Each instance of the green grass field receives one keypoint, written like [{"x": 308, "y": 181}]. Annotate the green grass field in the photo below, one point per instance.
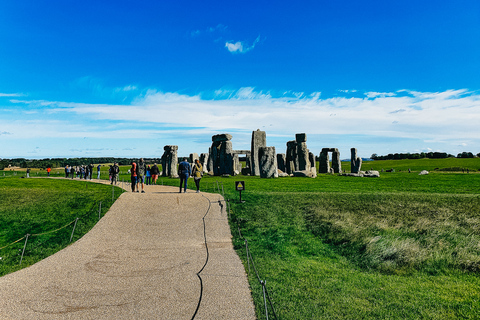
[
  {"x": 46, "y": 209},
  {"x": 402, "y": 246}
]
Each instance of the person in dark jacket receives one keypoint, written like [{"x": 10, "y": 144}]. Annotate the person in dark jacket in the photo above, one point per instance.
[
  {"x": 184, "y": 171},
  {"x": 154, "y": 171}
]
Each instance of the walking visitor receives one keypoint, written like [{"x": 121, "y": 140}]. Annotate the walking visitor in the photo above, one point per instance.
[
  {"x": 197, "y": 173},
  {"x": 133, "y": 176},
  {"x": 184, "y": 171},
  {"x": 141, "y": 174},
  {"x": 154, "y": 172}
]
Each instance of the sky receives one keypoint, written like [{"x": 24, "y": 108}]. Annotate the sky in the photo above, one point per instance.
[{"x": 125, "y": 78}]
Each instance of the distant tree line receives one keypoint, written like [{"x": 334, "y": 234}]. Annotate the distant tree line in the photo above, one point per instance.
[
  {"x": 62, "y": 162},
  {"x": 422, "y": 155}
]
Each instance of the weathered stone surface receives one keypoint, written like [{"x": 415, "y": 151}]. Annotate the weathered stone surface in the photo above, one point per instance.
[
  {"x": 267, "y": 162},
  {"x": 371, "y": 174},
  {"x": 355, "y": 162},
  {"x": 324, "y": 164},
  {"x": 193, "y": 157},
  {"x": 305, "y": 173},
  {"x": 204, "y": 161},
  {"x": 313, "y": 163},
  {"x": 281, "y": 159},
  {"x": 259, "y": 140},
  {"x": 291, "y": 161},
  {"x": 301, "y": 137},
  {"x": 336, "y": 163},
  {"x": 282, "y": 174},
  {"x": 221, "y": 137},
  {"x": 303, "y": 157},
  {"x": 170, "y": 161}
]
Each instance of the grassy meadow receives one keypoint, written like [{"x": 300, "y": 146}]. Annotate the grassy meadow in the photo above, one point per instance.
[
  {"x": 402, "y": 246},
  {"x": 46, "y": 209}
]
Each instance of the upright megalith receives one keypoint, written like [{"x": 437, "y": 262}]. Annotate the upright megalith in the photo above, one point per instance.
[
  {"x": 170, "y": 161},
  {"x": 324, "y": 163},
  {"x": 298, "y": 156},
  {"x": 193, "y": 157},
  {"x": 259, "y": 140},
  {"x": 355, "y": 161},
  {"x": 204, "y": 161},
  {"x": 281, "y": 161},
  {"x": 302, "y": 152},
  {"x": 220, "y": 158},
  {"x": 267, "y": 162}
]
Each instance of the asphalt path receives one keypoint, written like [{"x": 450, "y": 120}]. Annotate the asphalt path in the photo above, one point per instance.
[{"x": 142, "y": 260}]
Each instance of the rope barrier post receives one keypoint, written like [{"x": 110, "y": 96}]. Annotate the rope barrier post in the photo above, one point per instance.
[
  {"x": 71, "y": 237},
  {"x": 113, "y": 193},
  {"x": 264, "y": 299},
  {"x": 24, "y": 246},
  {"x": 248, "y": 255},
  {"x": 99, "y": 210}
]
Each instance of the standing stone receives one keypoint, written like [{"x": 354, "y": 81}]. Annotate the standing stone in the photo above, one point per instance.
[
  {"x": 193, "y": 156},
  {"x": 324, "y": 162},
  {"x": 355, "y": 162},
  {"x": 259, "y": 140},
  {"x": 281, "y": 160},
  {"x": 170, "y": 161},
  {"x": 291, "y": 164},
  {"x": 267, "y": 162},
  {"x": 313, "y": 163},
  {"x": 336, "y": 163},
  {"x": 204, "y": 161},
  {"x": 221, "y": 156},
  {"x": 302, "y": 153}
]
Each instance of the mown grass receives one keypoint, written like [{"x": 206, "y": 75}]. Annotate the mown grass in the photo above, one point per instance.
[
  {"x": 39, "y": 206},
  {"x": 402, "y": 246}
]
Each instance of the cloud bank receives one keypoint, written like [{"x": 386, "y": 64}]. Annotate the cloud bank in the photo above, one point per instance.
[{"x": 450, "y": 117}]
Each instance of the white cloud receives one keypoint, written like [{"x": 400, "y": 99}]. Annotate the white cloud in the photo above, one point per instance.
[
  {"x": 241, "y": 46},
  {"x": 11, "y": 94},
  {"x": 449, "y": 117}
]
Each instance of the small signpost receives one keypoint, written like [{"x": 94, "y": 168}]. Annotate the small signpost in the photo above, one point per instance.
[{"x": 240, "y": 186}]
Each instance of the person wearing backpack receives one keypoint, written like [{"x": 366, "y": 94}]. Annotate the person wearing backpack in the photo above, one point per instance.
[
  {"x": 197, "y": 173},
  {"x": 184, "y": 171}
]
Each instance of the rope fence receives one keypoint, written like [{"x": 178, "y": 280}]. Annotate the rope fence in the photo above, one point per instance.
[
  {"x": 28, "y": 236},
  {"x": 250, "y": 261}
]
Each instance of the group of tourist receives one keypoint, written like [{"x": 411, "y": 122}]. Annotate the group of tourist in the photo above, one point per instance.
[
  {"x": 82, "y": 172},
  {"x": 142, "y": 174}
]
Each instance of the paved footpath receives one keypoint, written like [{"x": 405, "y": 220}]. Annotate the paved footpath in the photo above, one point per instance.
[{"x": 139, "y": 262}]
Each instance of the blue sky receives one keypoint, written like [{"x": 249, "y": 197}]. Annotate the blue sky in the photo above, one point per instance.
[{"x": 124, "y": 78}]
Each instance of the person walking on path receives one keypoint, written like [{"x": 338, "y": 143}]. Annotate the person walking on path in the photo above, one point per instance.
[
  {"x": 28, "y": 172},
  {"x": 141, "y": 174},
  {"x": 115, "y": 170},
  {"x": 197, "y": 173},
  {"x": 154, "y": 172},
  {"x": 98, "y": 171},
  {"x": 67, "y": 171},
  {"x": 133, "y": 176},
  {"x": 48, "y": 171},
  {"x": 148, "y": 176},
  {"x": 184, "y": 171}
]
